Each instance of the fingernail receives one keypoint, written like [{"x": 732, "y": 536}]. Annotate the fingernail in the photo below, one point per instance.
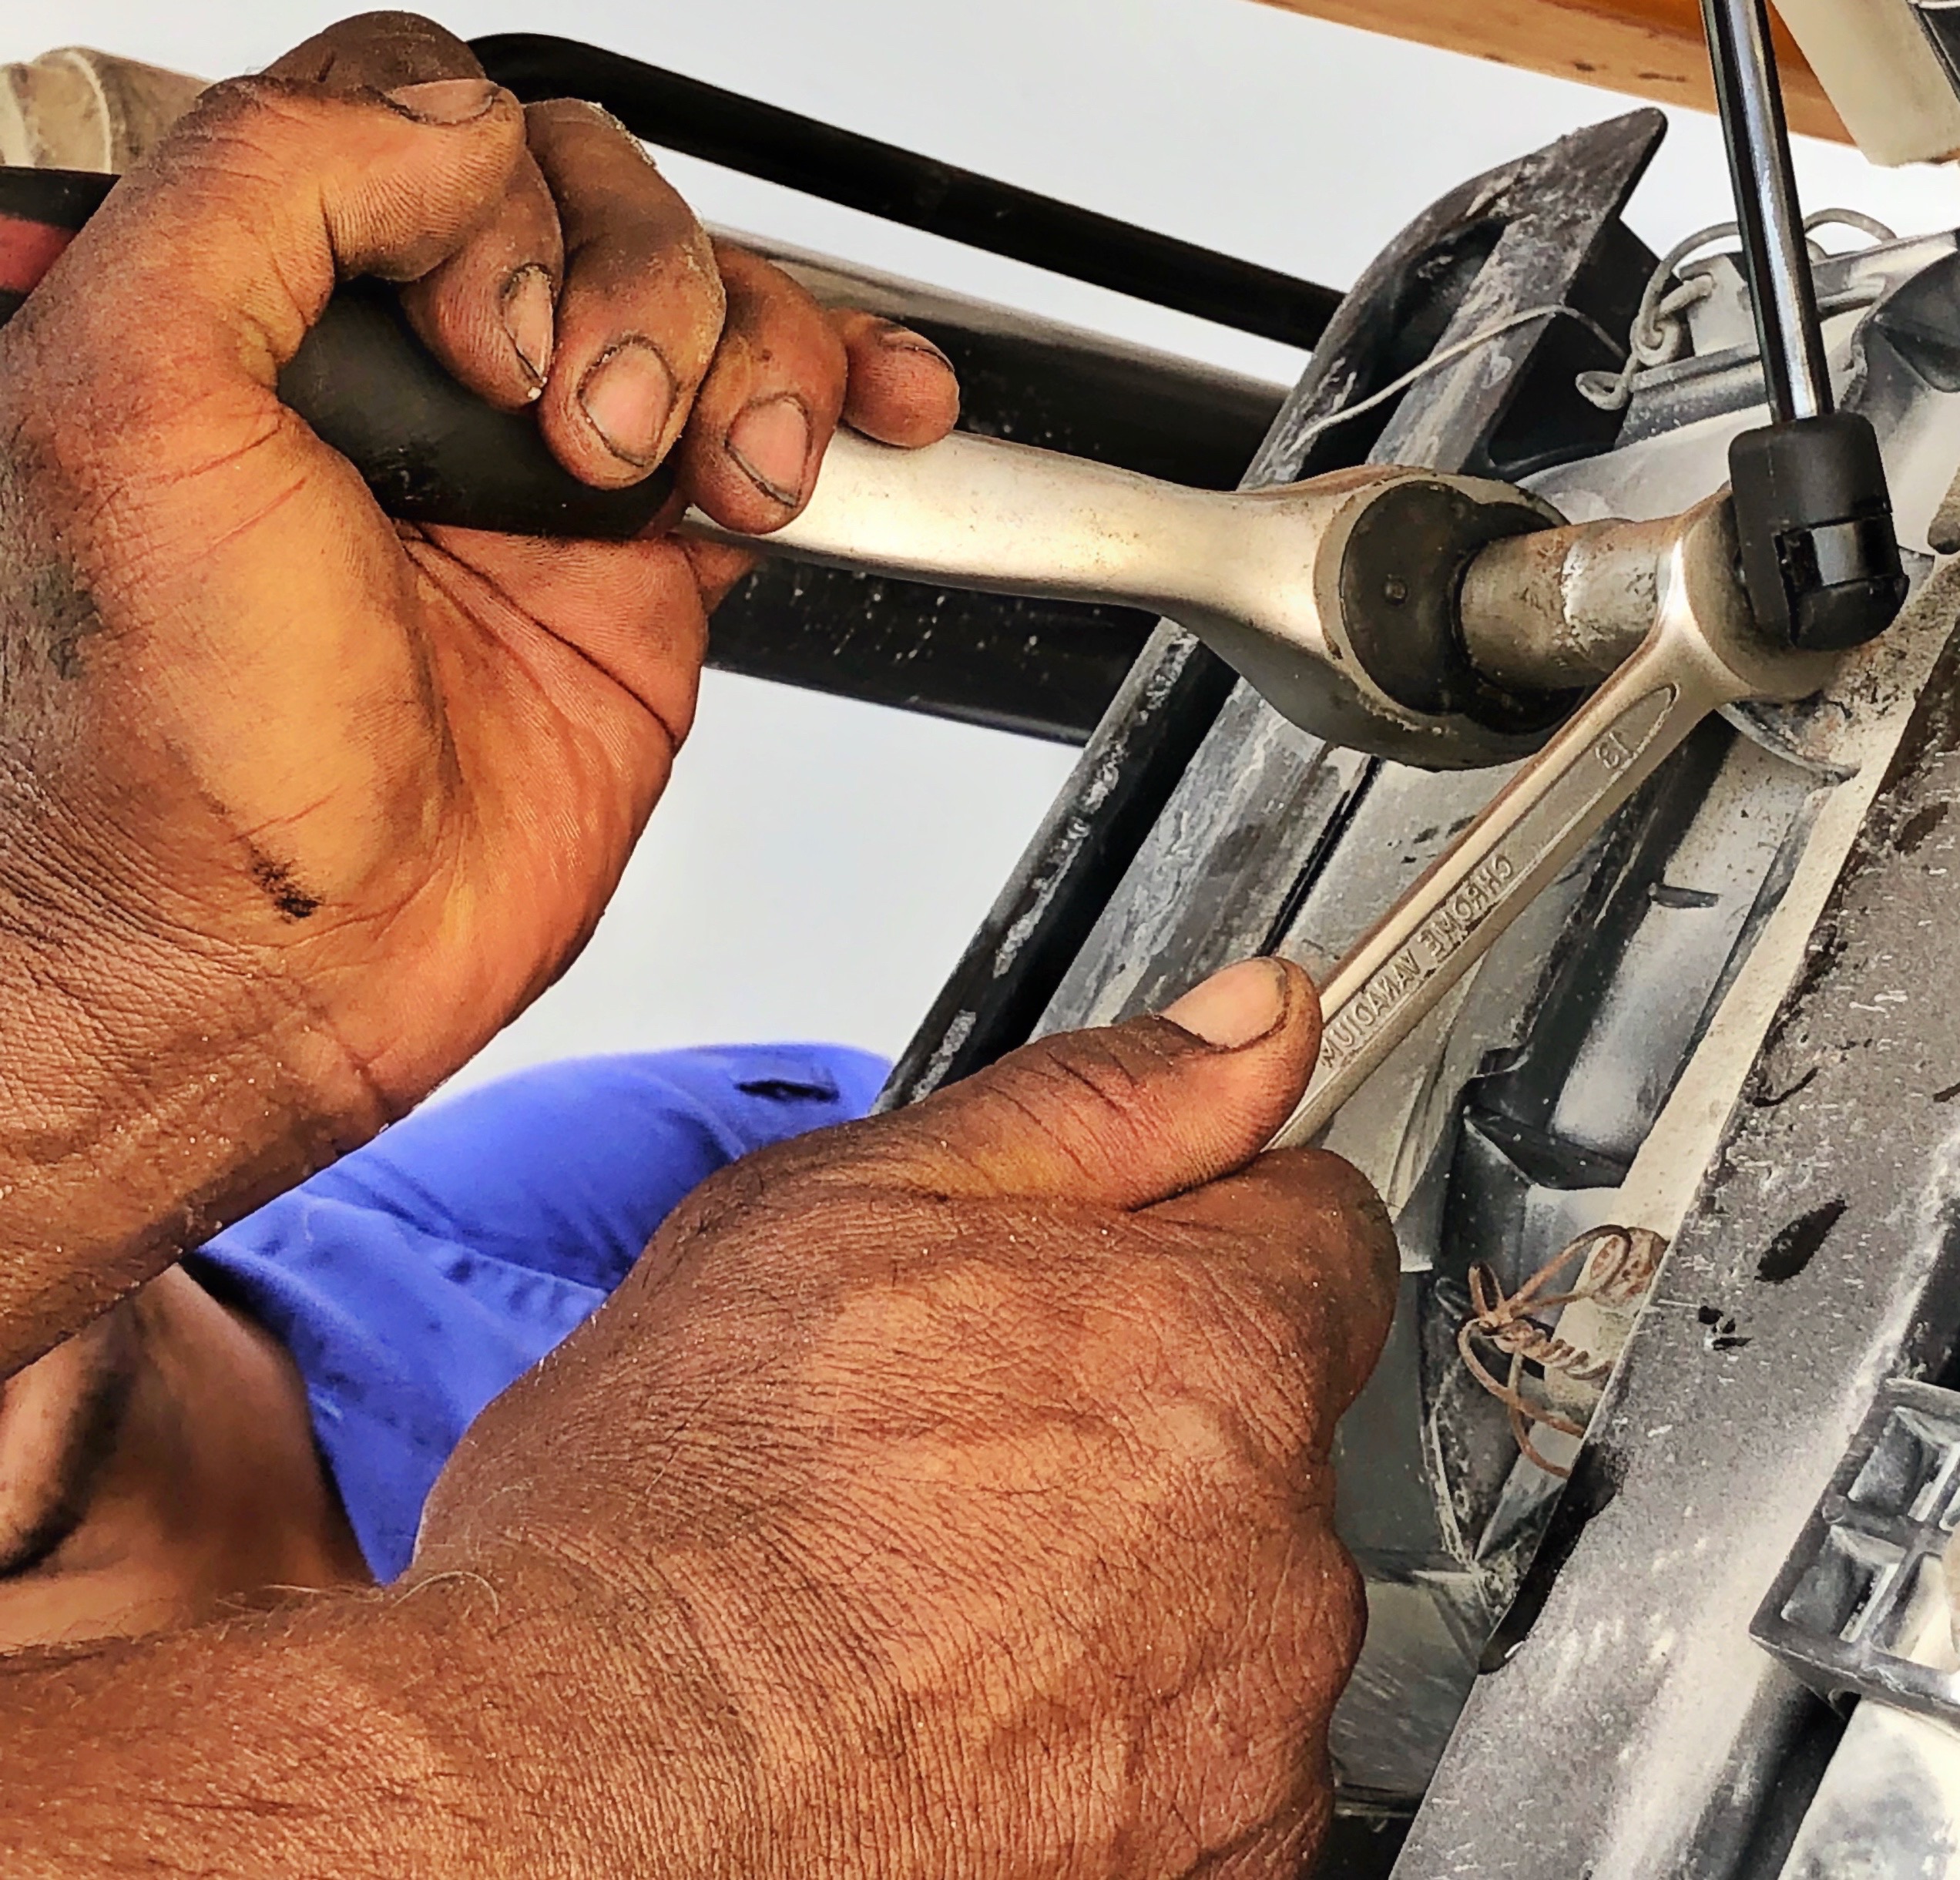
[
  {"x": 1234, "y": 1007},
  {"x": 529, "y": 317},
  {"x": 770, "y": 440},
  {"x": 445, "y": 101},
  {"x": 628, "y": 395},
  {"x": 903, "y": 339}
]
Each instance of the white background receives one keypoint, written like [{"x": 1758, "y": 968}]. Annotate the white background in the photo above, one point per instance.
[{"x": 817, "y": 866}]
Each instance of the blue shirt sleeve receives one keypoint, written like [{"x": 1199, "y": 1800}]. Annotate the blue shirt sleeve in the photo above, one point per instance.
[{"x": 417, "y": 1278}]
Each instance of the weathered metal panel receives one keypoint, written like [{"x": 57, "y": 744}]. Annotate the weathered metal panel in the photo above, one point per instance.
[
  {"x": 1399, "y": 311},
  {"x": 1628, "y": 1728}
]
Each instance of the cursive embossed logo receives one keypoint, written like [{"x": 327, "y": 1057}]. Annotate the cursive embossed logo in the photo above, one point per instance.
[{"x": 1417, "y": 952}]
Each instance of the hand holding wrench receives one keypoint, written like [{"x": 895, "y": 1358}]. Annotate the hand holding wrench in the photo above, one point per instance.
[
  {"x": 1438, "y": 620},
  {"x": 1261, "y": 576}
]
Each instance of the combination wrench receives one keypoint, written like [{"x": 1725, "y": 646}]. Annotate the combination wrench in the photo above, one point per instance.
[
  {"x": 1702, "y": 652},
  {"x": 1753, "y": 594},
  {"x": 1432, "y": 618},
  {"x": 1656, "y": 610}
]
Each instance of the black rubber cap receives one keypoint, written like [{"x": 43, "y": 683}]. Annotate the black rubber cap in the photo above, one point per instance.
[{"x": 1814, "y": 519}]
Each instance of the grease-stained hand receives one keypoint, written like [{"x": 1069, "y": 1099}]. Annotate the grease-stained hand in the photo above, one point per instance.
[
  {"x": 970, "y": 1466},
  {"x": 298, "y": 806}
]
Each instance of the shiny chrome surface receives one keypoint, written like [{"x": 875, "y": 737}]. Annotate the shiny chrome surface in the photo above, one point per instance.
[
  {"x": 1765, "y": 207},
  {"x": 1701, "y": 654},
  {"x": 1255, "y": 573},
  {"x": 1562, "y": 607}
]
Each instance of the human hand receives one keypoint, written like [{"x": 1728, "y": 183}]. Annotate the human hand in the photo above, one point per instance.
[
  {"x": 969, "y": 1467},
  {"x": 299, "y": 806}
]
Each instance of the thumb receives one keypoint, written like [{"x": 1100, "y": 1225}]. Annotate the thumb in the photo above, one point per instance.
[
  {"x": 261, "y": 198},
  {"x": 1133, "y": 1114}
]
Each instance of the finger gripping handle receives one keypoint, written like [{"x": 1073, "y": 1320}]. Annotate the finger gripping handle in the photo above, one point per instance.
[{"x": 430, "y": 450}]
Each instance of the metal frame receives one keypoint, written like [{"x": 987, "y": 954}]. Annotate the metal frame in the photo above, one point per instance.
[
  {"x": 762, "y": 140},
  {"x": 1626, "y": 1724}
]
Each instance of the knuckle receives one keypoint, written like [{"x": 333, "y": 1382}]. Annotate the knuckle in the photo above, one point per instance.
[
  {"x": 777, "y": 317},
  {"x": 384, "y": 46},
  {"x": 245, "y": 129},
  {"x": 1237, "y": 1334},
  {"x": 826, "y": 1181},
  {"x": 1087, "y": 1079},
  {"x": 1325, "y": 1603},
  {"x": 1240, "y": 1344},
  {"x": 559, "y": 127},
  {"x": 1346, "y": 1217},
  {"x": 389, "y": 23},
  {"x": 233, "y": 98},
  {"x": 232, "y": 112},
  {"x": 720, "y": 1203},
  {"x": 1344, "y": 1185},
  {"x": 576, "y": 113}
]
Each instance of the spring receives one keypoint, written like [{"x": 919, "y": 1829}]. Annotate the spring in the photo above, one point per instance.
[{"x": 1616, "y": 1266}]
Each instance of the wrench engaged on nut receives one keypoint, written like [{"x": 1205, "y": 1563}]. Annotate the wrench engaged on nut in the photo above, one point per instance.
[
  {"x": 1433, "y": 618},
  {"x": 1702, "y": 652}
]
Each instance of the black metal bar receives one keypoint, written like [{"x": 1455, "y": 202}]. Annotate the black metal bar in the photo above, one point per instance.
[
  {"x": 1787, "y": 329},
  {"x": 702, "y": 120},
  {"x": 1044, "y": 669}
]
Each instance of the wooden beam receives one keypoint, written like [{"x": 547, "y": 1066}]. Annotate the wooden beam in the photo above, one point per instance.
[{"x": 1651, "y": 48}]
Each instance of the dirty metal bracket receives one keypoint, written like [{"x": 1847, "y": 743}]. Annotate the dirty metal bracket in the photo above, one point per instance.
[{"x": 1822, "y": 1257}]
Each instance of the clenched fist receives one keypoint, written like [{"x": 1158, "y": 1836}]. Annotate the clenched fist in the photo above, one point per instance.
[
  {"x": 973, "y": 1463},
  {"x": 297, "y": 807},
  {"x": 946, "y": 1495}
]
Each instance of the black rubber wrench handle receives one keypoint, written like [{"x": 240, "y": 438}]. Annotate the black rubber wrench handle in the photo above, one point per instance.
[{"x": 431, "y": 451}]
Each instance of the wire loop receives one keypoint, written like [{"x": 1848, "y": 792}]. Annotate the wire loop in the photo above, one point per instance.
[
  {"x": 1660, "y": 332},
  {"x": 1616, "y": 1266}
]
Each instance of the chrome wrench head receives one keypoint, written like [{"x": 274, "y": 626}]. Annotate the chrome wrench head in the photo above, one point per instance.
[
  {"x": 1336, "y": 599},
  {"x": 1703, "y": 652},
  {"x": 1333, "y": 597}
]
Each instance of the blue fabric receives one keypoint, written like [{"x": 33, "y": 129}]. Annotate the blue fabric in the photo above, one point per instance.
[{"x": 416, "y": 1279}]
